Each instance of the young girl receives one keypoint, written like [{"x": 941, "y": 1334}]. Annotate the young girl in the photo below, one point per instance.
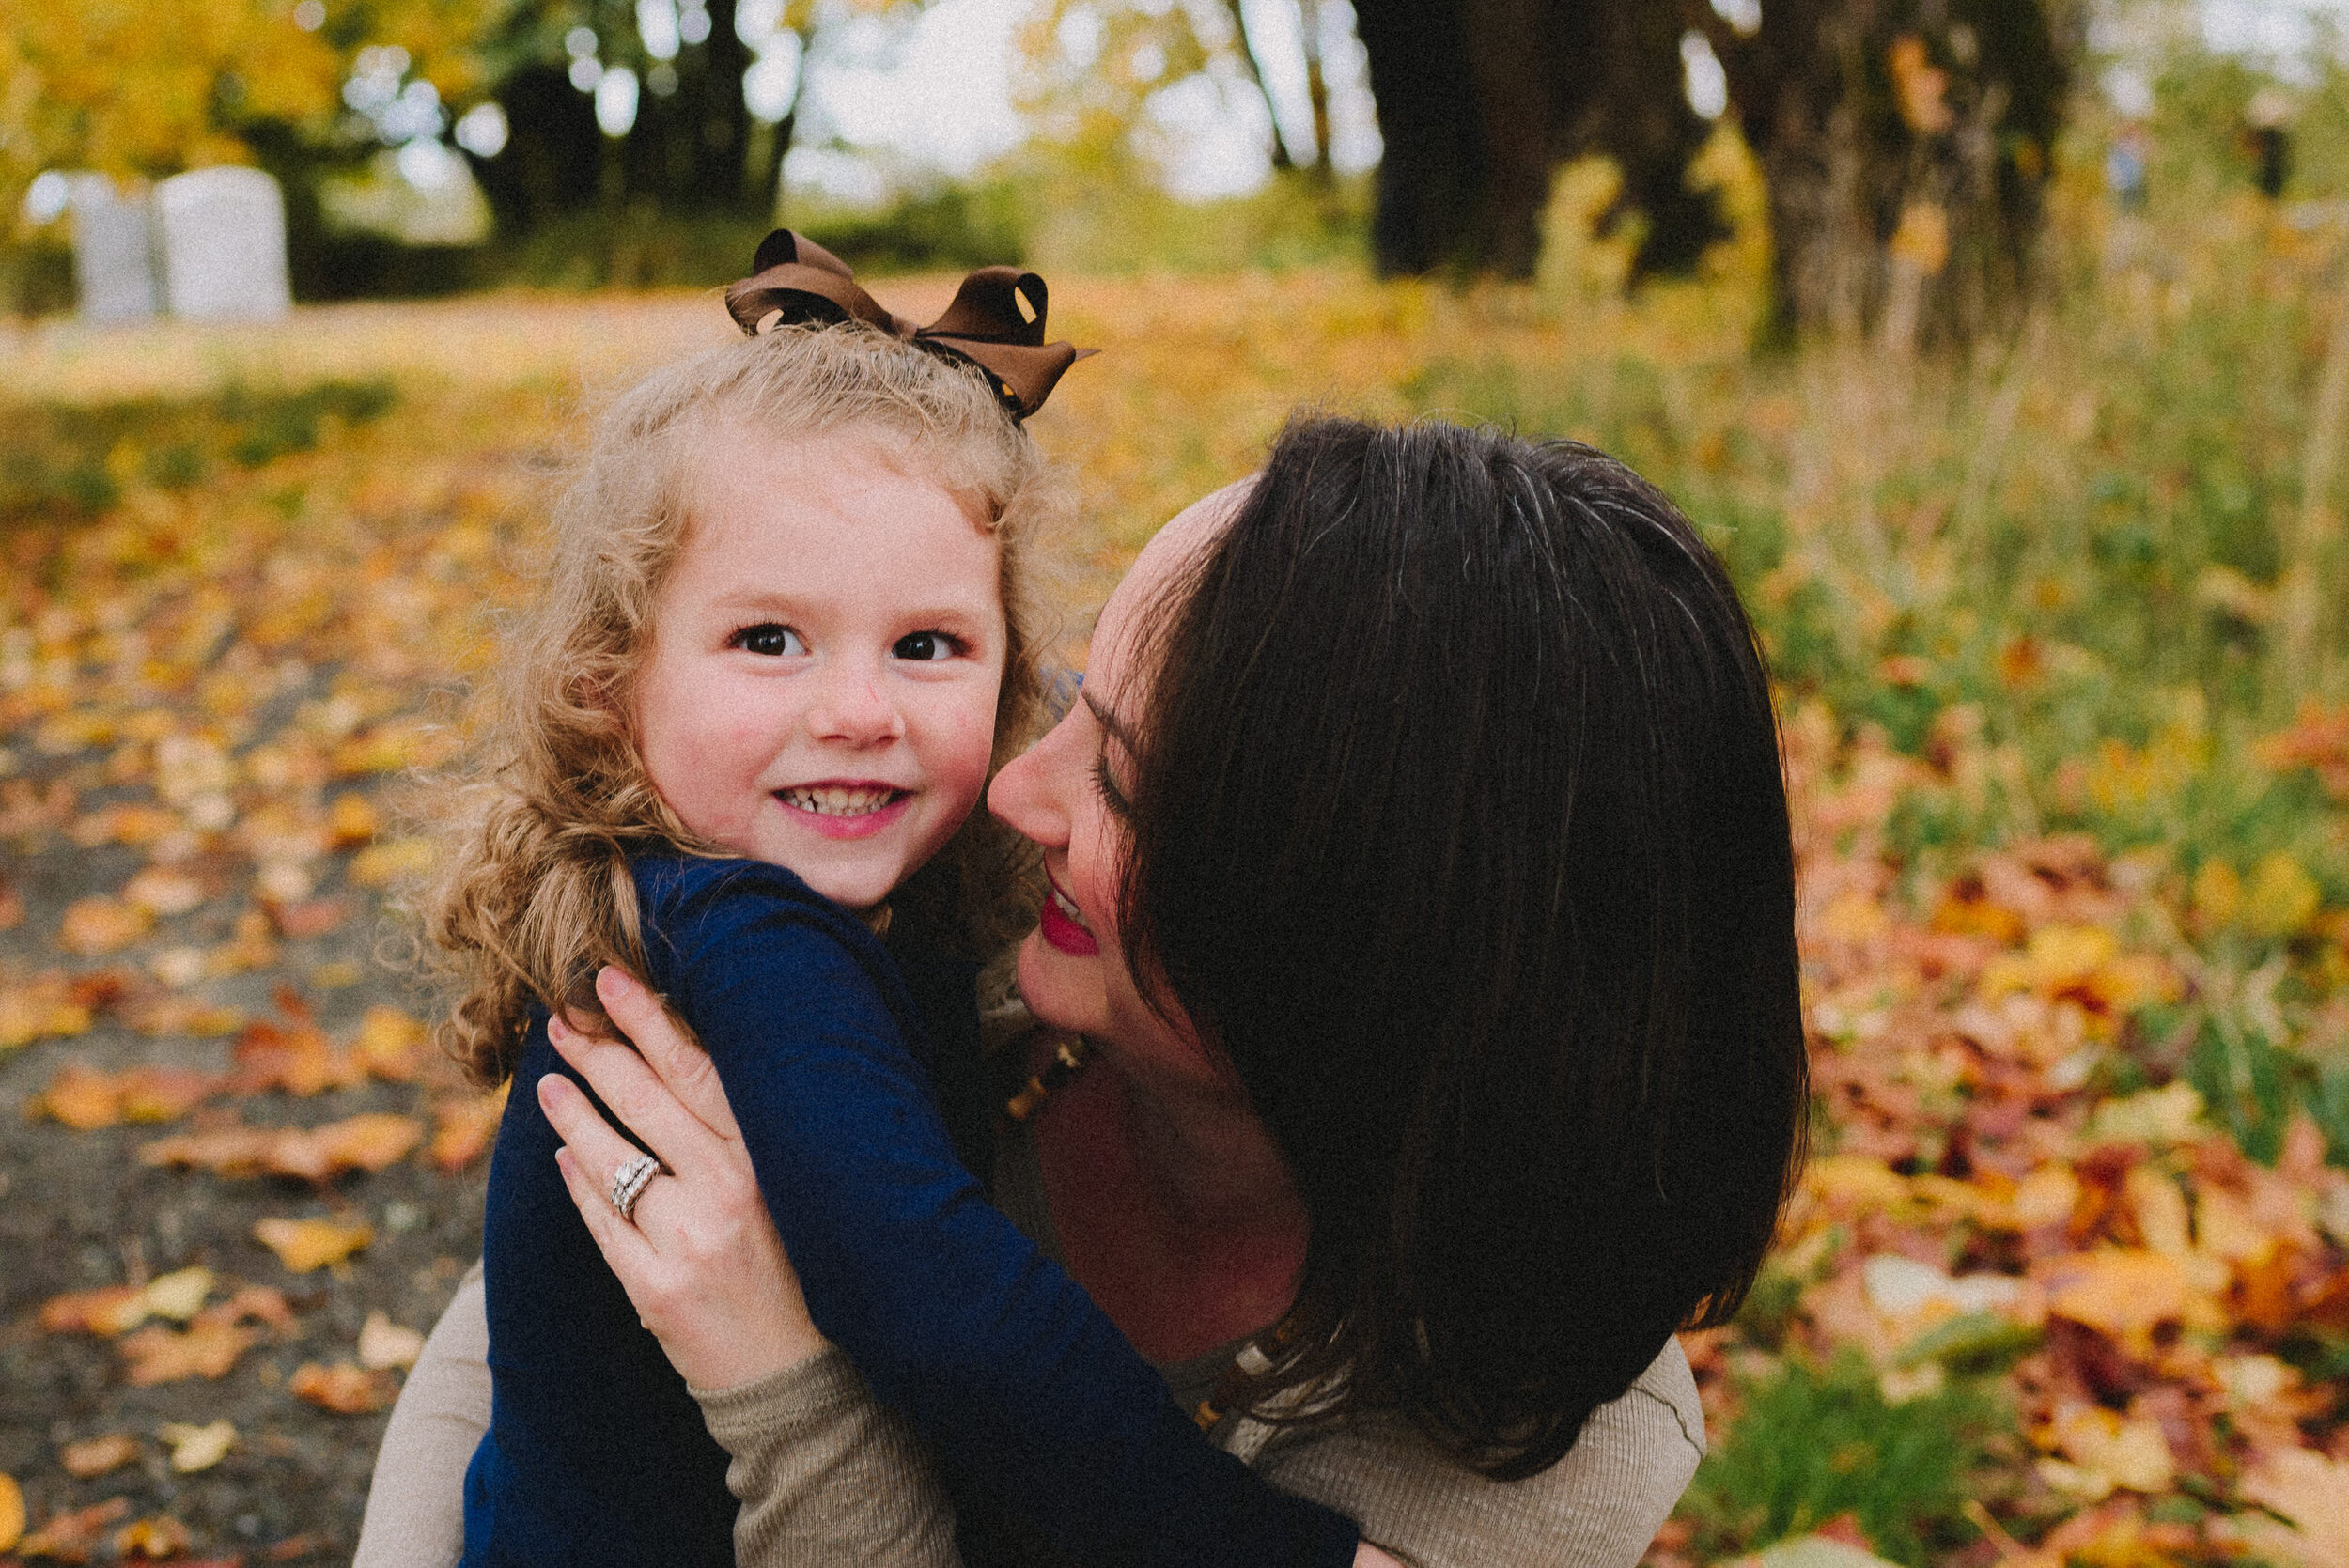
[{"x": 780, "y": 643}]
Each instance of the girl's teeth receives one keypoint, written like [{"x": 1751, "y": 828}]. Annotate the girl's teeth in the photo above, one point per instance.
[
  {"x": 1060, "y": 902},
  {"x": 840, "y": 803}
]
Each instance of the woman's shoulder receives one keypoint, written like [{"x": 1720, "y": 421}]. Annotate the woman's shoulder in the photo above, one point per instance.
[{"x": 1599, "y": 1507}]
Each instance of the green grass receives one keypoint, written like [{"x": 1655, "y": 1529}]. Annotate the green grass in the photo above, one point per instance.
[{"x": 1810, "y": 1444}]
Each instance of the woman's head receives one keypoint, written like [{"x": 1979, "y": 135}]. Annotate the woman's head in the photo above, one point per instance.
[
  {"x": 701, "y": 475},
  {"x": 1446, "y": 805}
]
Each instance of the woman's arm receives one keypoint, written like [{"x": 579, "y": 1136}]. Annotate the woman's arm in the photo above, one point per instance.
[{"x": 415, "y": 1515}]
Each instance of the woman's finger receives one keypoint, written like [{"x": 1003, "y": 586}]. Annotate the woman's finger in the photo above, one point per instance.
[
  {"x": 675, "y": 1055},
  {"x": 601, "y": 1151},
  {"x": 639, "y": 1100},
  {"x": 623, "y": 1246}
]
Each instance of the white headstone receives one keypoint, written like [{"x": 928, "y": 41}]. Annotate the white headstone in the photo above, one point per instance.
[
  {"x": 224, "y": 245},
  {"x": 113, "y": 266}
]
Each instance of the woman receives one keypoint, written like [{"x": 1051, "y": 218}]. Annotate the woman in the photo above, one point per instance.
[{"x": 1420, "y": 875}]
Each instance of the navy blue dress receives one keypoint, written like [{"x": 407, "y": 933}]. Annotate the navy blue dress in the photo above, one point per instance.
[{"x": 595, "y": 1454}]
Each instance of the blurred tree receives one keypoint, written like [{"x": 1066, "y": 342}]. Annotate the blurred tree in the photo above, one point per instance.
[
  {"x": 143, "y": 91},
  {"x": 1480, "y": 101},
  {"x": 1906, "y": 142},
  {"x": 1908, "y": 145},
  {"x": 686, "y": 107}
]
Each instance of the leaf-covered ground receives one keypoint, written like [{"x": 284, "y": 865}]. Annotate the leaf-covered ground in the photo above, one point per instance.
[{"x": 2066, "y": 1279}]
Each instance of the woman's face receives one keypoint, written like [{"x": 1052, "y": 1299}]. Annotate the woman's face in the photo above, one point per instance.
[{"x": 1063, "y": 794}]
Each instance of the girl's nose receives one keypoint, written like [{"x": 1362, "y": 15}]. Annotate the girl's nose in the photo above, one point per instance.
[{"x": 852, "y": 708}]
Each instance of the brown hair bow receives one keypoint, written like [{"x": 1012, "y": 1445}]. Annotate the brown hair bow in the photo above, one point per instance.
[{"x": 996, "y": 322}]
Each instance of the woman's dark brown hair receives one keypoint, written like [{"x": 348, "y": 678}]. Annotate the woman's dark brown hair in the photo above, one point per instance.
[{"x": 1456, "y": 821}]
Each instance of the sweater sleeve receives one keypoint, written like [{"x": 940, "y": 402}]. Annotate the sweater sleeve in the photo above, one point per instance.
[
  {"x": 415, "y": 1515},
  {"x": 1020, "y": 1384},
  {"x": 826, "y": 1478}
]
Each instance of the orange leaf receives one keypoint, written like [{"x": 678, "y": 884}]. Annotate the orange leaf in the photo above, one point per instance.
[
  {"x": 42, "y": 1007},
  {"x": 98, "y": 925},
  {"x": 72, "y": 1537},
  {"x": 373, "y": 1141},
  {"x": 467, "y": 1125},
  {"x": 207, "y": 1348},
  {"x": 111, "y": 1309},
  {"x": 95, "y": 1456},
  {"x": 346, "y": 1389},
  {"x": 82, "y": 1098},
  {"x": 11, "y": 1510},
  {"x": 2121, "y": 1293},
  {"x": 303, "y": 1245},
  {"x": 391, "y": 1045}
]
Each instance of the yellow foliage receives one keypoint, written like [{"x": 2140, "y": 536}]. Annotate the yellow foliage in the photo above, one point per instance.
[{"x": 305, "y": 1245}]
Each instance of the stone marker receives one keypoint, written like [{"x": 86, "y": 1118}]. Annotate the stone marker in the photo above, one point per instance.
[
  {"x": 223, "y": 232},
  {"x": 113, "y": 266}
]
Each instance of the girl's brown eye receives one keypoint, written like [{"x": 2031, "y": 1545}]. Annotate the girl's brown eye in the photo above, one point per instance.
[
  {"x": 926, "y": 647},
  {"x": 778, "y": 642}
]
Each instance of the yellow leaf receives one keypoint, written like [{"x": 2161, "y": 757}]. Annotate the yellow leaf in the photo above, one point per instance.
[
  {"x": 303, "y": 1245},
  {"x": 197, "y": 1448},
  {"x": 2122, "y": 1293},
  {"x": 2218, "y": 895},
  {"x": 160, "y": 891},
  {"x": 394, "y": 859},
  {"x": 383, "y": 1343},
  {"x": 390, "y": 1044},
  {"x": 11, "y": 1510},
  {"x": 177, "y": 1295},
  {"x": 2281, "y": 898},
  {"x": 156, "y": 1539},
  {"x": 2170, "y": 1114},
  {"x": 352, "y": 821},
  {"x": 96, "y": 1456},
  {"x": 1853, "y": 918},
  {"x": 2110, "y": 1452},
  {"x": 344, "y": 1389}
]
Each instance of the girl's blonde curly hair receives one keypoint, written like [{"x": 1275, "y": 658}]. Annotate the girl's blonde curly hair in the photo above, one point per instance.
[{"x": 532, "y": 891}]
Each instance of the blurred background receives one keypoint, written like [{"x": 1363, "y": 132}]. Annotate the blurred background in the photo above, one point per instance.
[{"x": 2001, "y": 348}]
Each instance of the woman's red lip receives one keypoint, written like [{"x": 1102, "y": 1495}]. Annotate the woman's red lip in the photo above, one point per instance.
[{"x": 1062, "y": 933}]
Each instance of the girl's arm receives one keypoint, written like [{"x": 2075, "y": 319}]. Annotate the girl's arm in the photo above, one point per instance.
[
  {"x": 1022, "y": 1385},
  {"x": 823, "y": 1473}
]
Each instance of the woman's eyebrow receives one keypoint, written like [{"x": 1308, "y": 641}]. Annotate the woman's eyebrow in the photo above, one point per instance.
[{"x": 1117, "y": 727}]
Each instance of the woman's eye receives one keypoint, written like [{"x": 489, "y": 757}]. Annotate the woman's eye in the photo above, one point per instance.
[
  {"x": 925, "y": 645},
  {"x": 776, "y": 641}
]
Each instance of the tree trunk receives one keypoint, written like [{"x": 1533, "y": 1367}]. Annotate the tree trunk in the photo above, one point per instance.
[
  {"x": 1906, "y": 145},
  {"x": 1432, "y": 177}
]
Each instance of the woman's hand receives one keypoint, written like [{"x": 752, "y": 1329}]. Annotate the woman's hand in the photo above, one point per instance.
[{"x": 699, "y": 1256}]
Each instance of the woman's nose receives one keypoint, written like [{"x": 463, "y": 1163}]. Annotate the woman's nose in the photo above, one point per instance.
[
  {"x": 1024, "y": 798},
  {"x": 851, "y": 705}
]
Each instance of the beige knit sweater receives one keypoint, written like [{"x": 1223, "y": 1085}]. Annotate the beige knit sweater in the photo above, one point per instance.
[{"x": 826, "y": 1476}]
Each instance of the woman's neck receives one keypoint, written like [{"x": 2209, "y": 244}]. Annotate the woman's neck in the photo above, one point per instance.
[{"x": 1174, "y": 1209}]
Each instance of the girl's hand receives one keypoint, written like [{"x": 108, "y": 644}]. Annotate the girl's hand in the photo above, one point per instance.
[{"x": 699, "y": 1257}]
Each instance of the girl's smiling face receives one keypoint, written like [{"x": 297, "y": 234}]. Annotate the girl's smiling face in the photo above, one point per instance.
[{"x": 826, "y": 657}]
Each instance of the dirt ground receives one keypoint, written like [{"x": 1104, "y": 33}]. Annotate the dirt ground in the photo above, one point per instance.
[{"x": 78, "y": 1210}]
